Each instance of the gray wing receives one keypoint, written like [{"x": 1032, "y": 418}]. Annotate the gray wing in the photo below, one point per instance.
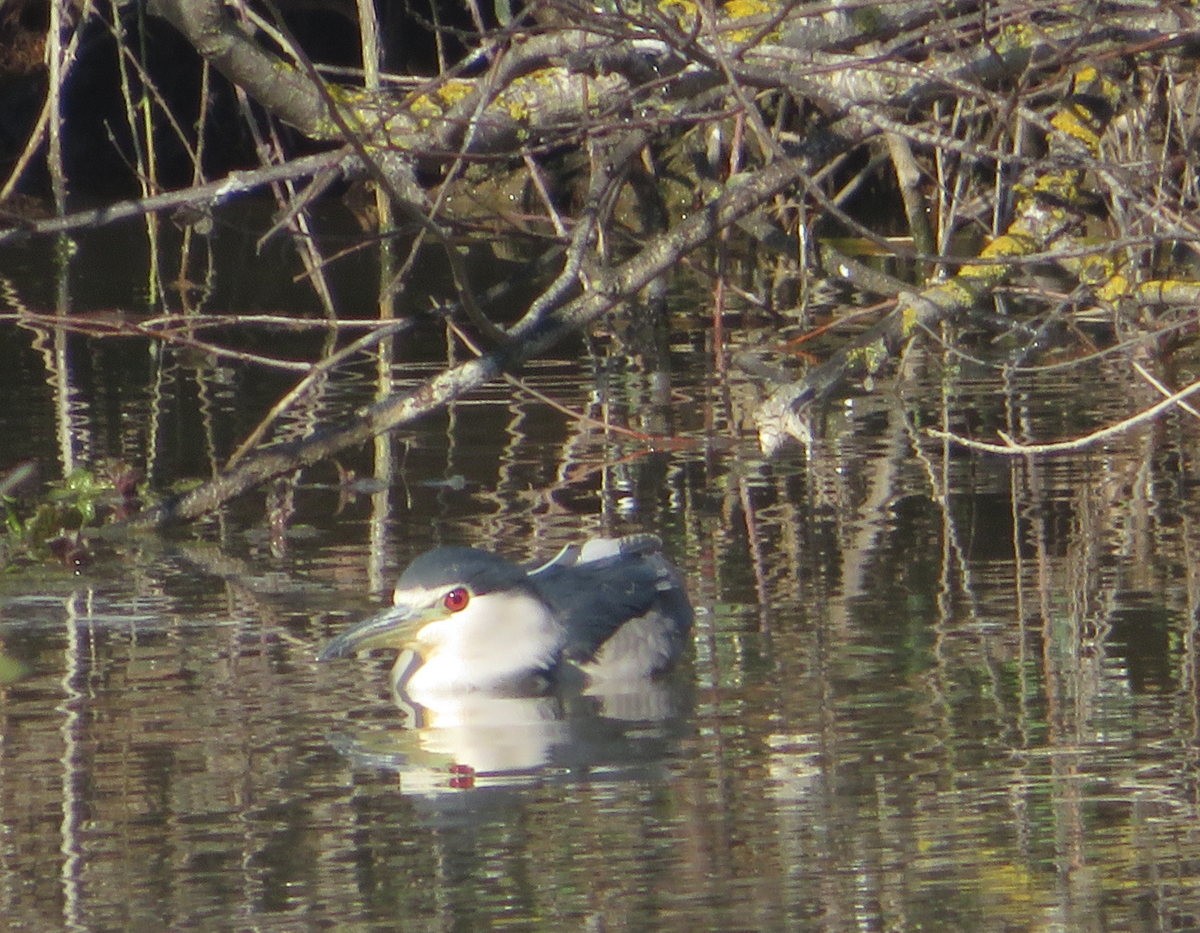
[{"x": 596, "y": 598}]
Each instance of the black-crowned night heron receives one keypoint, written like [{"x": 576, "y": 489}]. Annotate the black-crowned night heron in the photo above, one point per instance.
[{"x": 466, "y": 620}]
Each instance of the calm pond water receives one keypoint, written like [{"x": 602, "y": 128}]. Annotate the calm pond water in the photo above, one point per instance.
[{"x": 928, "y": 689}]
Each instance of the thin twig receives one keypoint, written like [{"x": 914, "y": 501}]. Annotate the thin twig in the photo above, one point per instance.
[
  {"x": 653, "y": 440},
  {"x": 1011, "y": 448},
  {"x": 1162, "y": 389}
]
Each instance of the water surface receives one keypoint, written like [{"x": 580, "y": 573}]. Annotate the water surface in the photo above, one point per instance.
[{"x": 926, "y": 689}]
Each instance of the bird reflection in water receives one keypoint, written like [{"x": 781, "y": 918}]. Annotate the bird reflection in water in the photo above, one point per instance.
[{"x": 505, "y": 669}]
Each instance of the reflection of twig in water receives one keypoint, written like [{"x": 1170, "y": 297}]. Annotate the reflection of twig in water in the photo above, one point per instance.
[
  {"x": 656, "y": 440},
  {"x": 314, "y": 371}
]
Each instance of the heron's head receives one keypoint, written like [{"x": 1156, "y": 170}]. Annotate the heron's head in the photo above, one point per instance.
[{"x": 474, "y": 619}]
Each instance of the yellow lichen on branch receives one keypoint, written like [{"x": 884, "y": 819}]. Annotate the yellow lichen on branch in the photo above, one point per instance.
[
  {"x": 1046, "y": 211},
  {"x": 437, "y": 102}
]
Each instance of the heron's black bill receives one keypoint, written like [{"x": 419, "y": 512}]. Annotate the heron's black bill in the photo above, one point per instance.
[{"x": 390, "y": 628}]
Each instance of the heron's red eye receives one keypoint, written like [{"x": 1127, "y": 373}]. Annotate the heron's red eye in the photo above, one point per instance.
[{"x": 456, "y": 600}]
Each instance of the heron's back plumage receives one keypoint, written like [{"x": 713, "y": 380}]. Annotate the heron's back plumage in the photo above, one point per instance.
[{"x": 623, "y": 606}]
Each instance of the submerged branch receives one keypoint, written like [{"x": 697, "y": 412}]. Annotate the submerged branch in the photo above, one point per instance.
[{"x": 531, "y": 336}]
